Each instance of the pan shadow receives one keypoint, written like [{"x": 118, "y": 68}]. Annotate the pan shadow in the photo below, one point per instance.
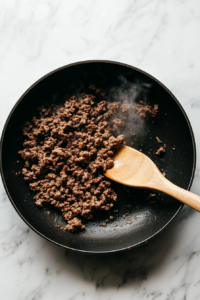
[{"x": 131, "y": 266}]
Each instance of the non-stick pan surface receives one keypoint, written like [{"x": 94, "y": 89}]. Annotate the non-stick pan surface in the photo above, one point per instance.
[{"x": 137, "y": 218}]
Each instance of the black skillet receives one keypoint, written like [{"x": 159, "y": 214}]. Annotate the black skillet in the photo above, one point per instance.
[{"x": 137, "y": 218}]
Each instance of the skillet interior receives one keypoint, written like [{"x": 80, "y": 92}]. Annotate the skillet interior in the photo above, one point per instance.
[{"x": 148, "y": 216}]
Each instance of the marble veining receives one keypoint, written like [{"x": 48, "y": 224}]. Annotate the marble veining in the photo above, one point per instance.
[{"x": 160, "y": 37}]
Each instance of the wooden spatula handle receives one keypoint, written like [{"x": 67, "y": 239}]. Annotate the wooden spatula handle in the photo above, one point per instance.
[{"x": 180, "y": 194}]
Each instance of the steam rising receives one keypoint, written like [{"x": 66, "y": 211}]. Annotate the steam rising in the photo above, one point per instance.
[{"x": 129, "y": 94}]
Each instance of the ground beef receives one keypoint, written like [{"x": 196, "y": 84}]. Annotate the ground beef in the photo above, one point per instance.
[
  {"x": 67, "y": 149},
  {"x": 160, "y": 151},
  {"x": 147, "y": 110}
]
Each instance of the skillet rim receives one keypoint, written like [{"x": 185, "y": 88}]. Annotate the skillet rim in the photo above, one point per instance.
[{"x": 108, "y": 62}]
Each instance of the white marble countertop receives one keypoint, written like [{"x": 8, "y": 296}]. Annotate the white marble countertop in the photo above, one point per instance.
[{"x": 160, "y": 37}]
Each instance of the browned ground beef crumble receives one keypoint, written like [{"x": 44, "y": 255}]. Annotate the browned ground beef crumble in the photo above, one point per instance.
[
  {"x": 144, "y": 110},
  {"x": 160, "y": 151},
  {"x": 67, "y": 150}
]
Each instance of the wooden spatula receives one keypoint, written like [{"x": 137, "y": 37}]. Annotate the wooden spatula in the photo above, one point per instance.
[{"x": 135, "y": 169}]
